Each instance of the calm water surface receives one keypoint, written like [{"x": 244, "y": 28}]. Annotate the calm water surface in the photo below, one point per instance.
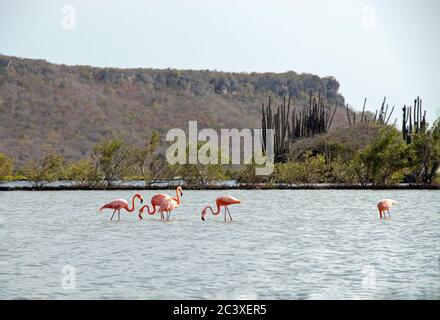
[{"x": 282, "y": 244}]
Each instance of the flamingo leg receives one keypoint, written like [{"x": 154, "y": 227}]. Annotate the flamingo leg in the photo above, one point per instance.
[
  {"x": 389, "y": 213},
  {"x": 113, "y": 214},
  {"x": 119, "y": 215},
  {"x": 229, "y": 212}
]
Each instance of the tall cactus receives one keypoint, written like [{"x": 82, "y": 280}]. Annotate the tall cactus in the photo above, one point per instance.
[
  {"x": 279, "y": 122},
  {"x": 290, "y": 126},
  {"x": 413, "y": 120}
]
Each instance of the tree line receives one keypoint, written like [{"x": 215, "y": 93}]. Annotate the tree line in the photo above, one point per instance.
[{"x": 387, "y": 160}]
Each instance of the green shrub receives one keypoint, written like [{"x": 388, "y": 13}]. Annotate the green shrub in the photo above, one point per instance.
[
  {"x": 6, "y": 167},
  {"x": 426, "y": 148},
  {"x": 113, "y": 159},
  {"x": 291, "y": 173},
  {"x": 385, "y": 160},
  {"x": 85, "y": 172},
  {"x": 49, "y": 169}
]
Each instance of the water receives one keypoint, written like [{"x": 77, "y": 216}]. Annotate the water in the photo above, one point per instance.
[{"x": 282, "y": 244}]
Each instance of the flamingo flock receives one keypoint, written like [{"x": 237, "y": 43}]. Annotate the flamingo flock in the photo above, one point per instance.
[{"x": 165, "y": 204}]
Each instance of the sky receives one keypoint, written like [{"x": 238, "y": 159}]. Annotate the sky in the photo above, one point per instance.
[{"x": 374, "y": 48}]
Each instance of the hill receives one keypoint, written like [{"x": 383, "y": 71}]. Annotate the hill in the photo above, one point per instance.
[{"x": 47, "y": 107}]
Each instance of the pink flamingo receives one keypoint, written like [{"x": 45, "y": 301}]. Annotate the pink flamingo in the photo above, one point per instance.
[
  {"x": 385, "y": 205},
  {"x": 223, "y": 201},
  {"x": 156, "y": 201},
  {"x": 167, "y": 205},
  {"x": 119, "y": 204}
]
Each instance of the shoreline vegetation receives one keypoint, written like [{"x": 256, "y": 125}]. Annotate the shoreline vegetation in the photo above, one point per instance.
[
  {"x": 387, "y": 162},
  {"x": 239, "y": 186},
  {"x": 310, "y": 152},
  {"x": 337, "y": 159}
]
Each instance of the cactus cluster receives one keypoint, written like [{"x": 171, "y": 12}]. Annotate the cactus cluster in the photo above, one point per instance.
[
  {"x": 382, "y": 115},
  {"x": 289, "y": 126},
  {"x": 413, "y": 120}
]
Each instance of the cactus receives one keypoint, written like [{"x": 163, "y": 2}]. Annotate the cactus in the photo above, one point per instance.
[
  {"x": 290, "y": 126},
  {"x": 413, "y": 120},
  {"x": 381, "y": 116}
]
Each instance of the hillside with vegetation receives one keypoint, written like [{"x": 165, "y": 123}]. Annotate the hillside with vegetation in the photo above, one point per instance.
[
  {"x": 99, "y": 126},
  {"x": 46, "y": 107}
]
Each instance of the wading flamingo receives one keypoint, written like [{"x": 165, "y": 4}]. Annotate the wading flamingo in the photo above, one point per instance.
[
  {"x": 167, "y": 205},
  {"x": 119, "y": 204},
  {"x": 157, "y": 199},
  {"x": 223, "y": 201},
  {"x": 385, "y": 205}
]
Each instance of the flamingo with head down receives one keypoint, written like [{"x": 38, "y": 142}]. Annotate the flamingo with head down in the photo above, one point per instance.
[
  {"x": 119, "y": 204},
  {"x": 156, "y": 201},
  {"x": 385, "y": 205},
  {"x": 223, "y": 201}
]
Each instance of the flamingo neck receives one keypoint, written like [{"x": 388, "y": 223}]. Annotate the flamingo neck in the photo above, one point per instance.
[
  {"x": 151, "y": 212},
  {"x": 132, "y": 205},
  {"x": 214, "y": 212},
  {"x": 178, "y": 196}
]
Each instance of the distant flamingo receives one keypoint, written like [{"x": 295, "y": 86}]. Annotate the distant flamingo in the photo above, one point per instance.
[
  {"x": 156, "y": 201},
  {"x": 385, "y": 205},
  {"x": 119, "y": 204},
  {"x": 223, "y": 201}
]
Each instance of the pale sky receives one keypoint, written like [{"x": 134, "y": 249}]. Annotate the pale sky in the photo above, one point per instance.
[{"x": 374, "y": 48}]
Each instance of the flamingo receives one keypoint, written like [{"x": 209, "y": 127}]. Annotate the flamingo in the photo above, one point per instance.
[
  {"x": 223, "y": 201},
  {"x": 167, "y": 205},
  {"x": 119, "y": 204},
  {"x": 156, "y": 201},
  {"x": 385, "y": 205}
]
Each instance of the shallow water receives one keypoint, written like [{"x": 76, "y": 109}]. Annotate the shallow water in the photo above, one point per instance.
[{"x": 282, "y": 244}]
